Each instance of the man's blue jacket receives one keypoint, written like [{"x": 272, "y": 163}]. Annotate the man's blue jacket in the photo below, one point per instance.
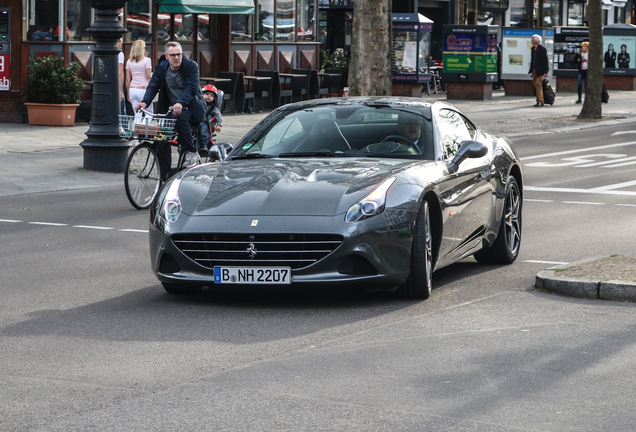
[{"x": 191, "y": 98}]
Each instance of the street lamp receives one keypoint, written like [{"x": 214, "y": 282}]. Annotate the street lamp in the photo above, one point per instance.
[{"x": 104, "y": 149}]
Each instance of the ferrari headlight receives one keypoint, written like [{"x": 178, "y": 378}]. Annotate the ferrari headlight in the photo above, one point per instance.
[
  {"x": 171, "y": 204},
  {"x": 371, "y": 205}
]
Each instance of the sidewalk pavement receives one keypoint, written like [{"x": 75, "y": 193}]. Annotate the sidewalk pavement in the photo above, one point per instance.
[{"x": 45, "y": 159}]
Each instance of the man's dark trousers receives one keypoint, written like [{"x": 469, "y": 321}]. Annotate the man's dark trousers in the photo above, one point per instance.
[{"x": 184, "y": 131}]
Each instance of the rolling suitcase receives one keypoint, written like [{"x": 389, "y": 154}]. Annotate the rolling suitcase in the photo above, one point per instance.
[
  {"x": 604, "y": 95},
  {"x": 548, "y": 93}
]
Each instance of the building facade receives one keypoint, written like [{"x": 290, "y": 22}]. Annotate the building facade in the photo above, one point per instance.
[{"x": 221, "y": 35}]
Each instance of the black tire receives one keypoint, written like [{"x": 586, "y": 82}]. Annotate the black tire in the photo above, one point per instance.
[
  {"x": 174, "y": 289},
  {"x": 420, "y": 281},
  {"x": 142, "y": 177},
  {"x": 505, "y": 249}
]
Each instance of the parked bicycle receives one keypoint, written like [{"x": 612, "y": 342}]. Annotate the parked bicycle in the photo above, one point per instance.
[{"x": 155, "y": 135}]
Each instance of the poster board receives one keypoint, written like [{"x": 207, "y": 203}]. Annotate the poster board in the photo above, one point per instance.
[{"x": 516, "y": 46}]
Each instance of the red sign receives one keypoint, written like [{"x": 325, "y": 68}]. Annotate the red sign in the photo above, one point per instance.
[{"x": 4, "y": 72}]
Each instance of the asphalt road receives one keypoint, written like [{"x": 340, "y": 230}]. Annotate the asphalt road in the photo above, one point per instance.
[{"x": 91, "y": 342}]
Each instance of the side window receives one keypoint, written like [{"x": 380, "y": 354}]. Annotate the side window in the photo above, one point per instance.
[
  {"x": 472, "y": 130},
  {"x": 282, "y": 131},
  {"x": 453, "y": 130}
]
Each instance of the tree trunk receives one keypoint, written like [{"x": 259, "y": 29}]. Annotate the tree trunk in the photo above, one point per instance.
[
  {"x": 592, "y": 108},
  {"x": 371, "y": 48}
]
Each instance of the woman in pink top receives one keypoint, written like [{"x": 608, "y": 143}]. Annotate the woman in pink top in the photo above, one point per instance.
[{"x": 138, "y": 73}]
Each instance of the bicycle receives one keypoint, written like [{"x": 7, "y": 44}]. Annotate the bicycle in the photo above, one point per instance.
[{"x": 143, "y": 176}]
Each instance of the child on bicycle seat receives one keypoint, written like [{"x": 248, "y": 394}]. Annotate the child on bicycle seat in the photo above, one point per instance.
[{"x": 214, "y": 120}]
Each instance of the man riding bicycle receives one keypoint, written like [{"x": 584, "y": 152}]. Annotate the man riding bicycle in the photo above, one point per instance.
[{"x": 176, "y": 79}]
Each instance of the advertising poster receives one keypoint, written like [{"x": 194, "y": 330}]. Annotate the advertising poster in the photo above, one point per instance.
[
  {"x": 567, "y": 44},
  {"x": 466, "y": 53},
  {"x": 515, "y": 49},
  {"x": 619, "y": 52}
]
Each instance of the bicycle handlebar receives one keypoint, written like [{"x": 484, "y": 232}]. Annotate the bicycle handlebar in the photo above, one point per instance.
[{"x": 151, "y": 114}]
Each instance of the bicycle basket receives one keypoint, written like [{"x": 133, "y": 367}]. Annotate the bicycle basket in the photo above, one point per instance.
[{"x": 146, "y": 127}]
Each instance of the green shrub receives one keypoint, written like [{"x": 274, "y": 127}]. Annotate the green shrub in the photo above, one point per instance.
[
  {"x": 52, "y": 82},
  {"x": 336, "y": 60}
]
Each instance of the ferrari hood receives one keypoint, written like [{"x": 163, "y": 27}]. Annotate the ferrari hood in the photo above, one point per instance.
[{"x": 283, "y": 187}]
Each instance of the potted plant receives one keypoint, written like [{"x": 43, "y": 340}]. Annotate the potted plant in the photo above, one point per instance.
[{"x": 54, "y": 91}]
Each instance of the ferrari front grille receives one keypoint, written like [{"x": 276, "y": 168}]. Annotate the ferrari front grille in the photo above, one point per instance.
[{"x": 245, "y": 250}]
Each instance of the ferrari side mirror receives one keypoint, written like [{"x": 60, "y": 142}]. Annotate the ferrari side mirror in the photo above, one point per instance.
[{"x": 468, "y": 149}]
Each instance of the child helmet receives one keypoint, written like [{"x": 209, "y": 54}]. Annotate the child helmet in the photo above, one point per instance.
[{"x": 210, "y": 88}]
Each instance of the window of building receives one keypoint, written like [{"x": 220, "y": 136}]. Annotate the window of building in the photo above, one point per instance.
[
  {"x": 204, "y": 32},
  {"x": 551, "y": 13},
  {"x": 183, "y": 27},
  {"x": 285, "y": 20},
  {"x": 306, "y": 20},
  {"x": 138, "y": 20},
  {"x": 241, "y": 28},
  {"x": 517, "y": 13},
  {"x": 575, "y": 14},
  {"x": 265, "y": 21},
  {"x": 43, "y": 20}
]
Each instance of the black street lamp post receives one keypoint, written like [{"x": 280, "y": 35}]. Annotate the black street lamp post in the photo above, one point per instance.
[{"x": 104, "y": 149}]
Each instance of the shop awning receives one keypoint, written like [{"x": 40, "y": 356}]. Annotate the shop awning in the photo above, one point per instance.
[{"x": 206, "y": 6}]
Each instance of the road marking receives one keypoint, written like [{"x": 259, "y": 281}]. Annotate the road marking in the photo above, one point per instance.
[
  {"x": 583, "y": 191},
  {"x": 623, "y": 132},
  {"x": 47, "y": 223},
  {"x": 10, "y": 220},
  {"x": 537, "y": 200},
  {"x": 92, "y": 227},
  {"x": 582, "y": 202},
  {"x": 626, "y": 205},
  {"x": 134, "y": 230},
  {"x": 566, "y": 152},
  {"x": 614, "y": 186},
  {"x": 544, "y": 262}
]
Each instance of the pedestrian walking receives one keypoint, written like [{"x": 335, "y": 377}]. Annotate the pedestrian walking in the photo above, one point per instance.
[
  {"x": 121, "y": 59},
  {"x": 138, "y": 74},
  {"x": 539, "y": 67},
  {"x": 581, "y": 65}
]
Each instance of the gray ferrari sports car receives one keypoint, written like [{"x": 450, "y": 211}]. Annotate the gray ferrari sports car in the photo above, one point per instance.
[{"x": 372, "y": 192}]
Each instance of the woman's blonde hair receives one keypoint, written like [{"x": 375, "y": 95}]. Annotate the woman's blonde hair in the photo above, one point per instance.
[
  {"x": 587, "y": 44},
  {"x": 138, "y": 50}
]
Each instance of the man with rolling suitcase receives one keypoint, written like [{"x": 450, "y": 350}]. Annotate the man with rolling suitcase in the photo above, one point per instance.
[{"x": 539, "y": 67}]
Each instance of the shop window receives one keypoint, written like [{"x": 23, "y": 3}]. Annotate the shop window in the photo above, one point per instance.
[
  {"x": 138, "y": 20},
  {"x": 285, "y": 20},
  {"x": 575, "y": 14},
  {"x": 241, "y": 28},
  {"x": 183, "y": 27},
  {"x": 323, "y": 24},
  {"x": 551, "y": 13},
  {"x": 306, "y": 20},
  {"x": 265, "y": 21},
  {"x": 43, "y": 19},
  {"x": 203, "y": 23},
  {"x": 517, "y": 13}
]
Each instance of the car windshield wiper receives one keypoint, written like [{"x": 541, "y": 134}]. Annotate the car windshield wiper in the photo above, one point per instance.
[
  {"x": 251, "y": 156},
  {"x": 316, "y": 153}
]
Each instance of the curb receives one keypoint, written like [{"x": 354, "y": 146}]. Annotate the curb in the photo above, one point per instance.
[
  {"x": 589, "y": 125},
  {"x": 613, "y": 290}
]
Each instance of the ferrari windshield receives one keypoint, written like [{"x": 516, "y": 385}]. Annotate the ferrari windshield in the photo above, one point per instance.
[{"x": 343, "y": 130}]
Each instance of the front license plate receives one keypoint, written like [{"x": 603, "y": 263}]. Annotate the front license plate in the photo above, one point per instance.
[{"x": 252, "y": 275}]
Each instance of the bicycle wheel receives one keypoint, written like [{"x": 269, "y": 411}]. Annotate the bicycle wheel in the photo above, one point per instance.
[{"x": 142, "y": 178}]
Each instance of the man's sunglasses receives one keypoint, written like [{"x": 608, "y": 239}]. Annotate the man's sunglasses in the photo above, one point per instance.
[{"x": 175, "y": 55}]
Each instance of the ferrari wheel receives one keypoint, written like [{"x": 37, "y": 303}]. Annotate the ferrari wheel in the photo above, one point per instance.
[
  {"x": 506, "y": 247},
  {"x": 420, "y": 281}
]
